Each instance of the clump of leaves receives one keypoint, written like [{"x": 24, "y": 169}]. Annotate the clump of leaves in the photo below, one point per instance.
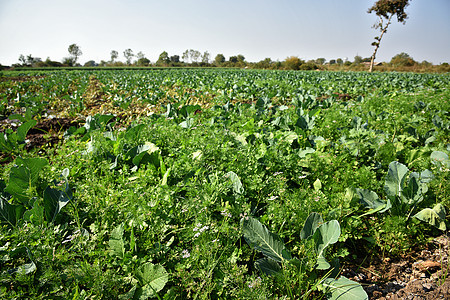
[
  {"x": 404, "y": 196},
  {"x": 277, "y": 258}
]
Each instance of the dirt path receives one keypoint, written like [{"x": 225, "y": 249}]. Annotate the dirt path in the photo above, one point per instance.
[{"x": 422, "y": 274}]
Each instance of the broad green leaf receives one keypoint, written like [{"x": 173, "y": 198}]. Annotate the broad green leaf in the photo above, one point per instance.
[
  {"x": 268, "y": 266},
  {"x": 24, "y": 269},
  {"x": 24, "y": 128},
  {"x": 343, "y": 289},
  {"x": 238, "y": 188},
  {"x": 171, "y": 112},
  {"x": 142, "y": 154},
  {"x": 261, "y": 239},
  {"x": 326, "y": 234},
  {"x": 152, "y": 279},
  {"x": 303, "y": 152},
  {"x": 35, "y": 215},
  {"x": 23, "y": 176},
  {"x": 116, "y": 243},
  {"x": 440, "y": 159},
  {"x": 5, "y": 145},
  {"x": 96, "y": 122},
  {"x": 187, "y": 123},
  {"x": 370, "y": 199},
  {"x": 435, "y": 216},
  {"x": 395, "y": 179},
  {"x": 289, "y": 137},
  {"x": 414, "y": 191},
  {"x": 311, "y": 224},
  {"x": 381, "y": 209},
  {"x": 10, "y": 213},
  {"x": 424, "y": 176},
  {"x": 188, "y": 110},
  {"x": 132, "y": 133},
  {"x": 55, "y": 200},
  {"x": 305, "y": 122}
]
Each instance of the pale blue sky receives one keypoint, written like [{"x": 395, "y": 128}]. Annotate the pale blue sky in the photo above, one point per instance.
[{"x": 254, "y": 28}]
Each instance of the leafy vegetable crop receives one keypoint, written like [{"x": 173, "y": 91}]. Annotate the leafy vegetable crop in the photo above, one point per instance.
[{"x": 218, "y": 184}]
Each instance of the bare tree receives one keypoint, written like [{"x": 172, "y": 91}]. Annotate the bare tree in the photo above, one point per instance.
[{"x": 386, "y": 10}]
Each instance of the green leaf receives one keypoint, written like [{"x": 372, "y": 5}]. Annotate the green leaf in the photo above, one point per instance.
[
  {"x": 424, "y": 176},
  {"x": 325, "y": 235},
  {"x": 311, "y": 224},
  {"x": 317, "y": 185},
  {"x": 395, "y": 179},
  {"x": 24, "y": 269},
  {"x": 129, "y": 295},
  {"x": 142, "y": 154},
  {"x": 187, "y": 123},
  {"x": 23, "y": 176},
  {"x": 5, "y": 145},
  {"x": 414, "y": 192},
  {"x": 10, "y": 213},
  {"x": 261, "y": 239},
  {"x": 116, "y": 243},
  {"x": 188, "y": 110},
  {"x": 440, "y": 159},
  {"x": 152, "y": 279},
  {"x": 55, "y": 200},
  {"x": 238, "y": 188},
  {"x": 435, "y": 216},
  {"x": 303, "y": 152},
  {"x": 35, "y": 215},
  {"x": 166, "y": 176},
  {"x": 132, "y": 133},
  {"x": 370, "y": 199},
  {"x": 24, "y": 128},
  {"x": 268, "y": 266},
  {"x": 343, "y": 289},
  {"x": 97, "y": 122}
]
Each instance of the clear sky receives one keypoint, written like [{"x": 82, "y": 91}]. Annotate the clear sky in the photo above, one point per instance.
[{"x": 254, "y": 28}]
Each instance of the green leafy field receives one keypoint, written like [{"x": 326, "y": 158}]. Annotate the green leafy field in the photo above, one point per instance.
[{"x": 217, "y": 184}]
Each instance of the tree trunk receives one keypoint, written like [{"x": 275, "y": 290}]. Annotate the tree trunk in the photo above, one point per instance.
[
  {"x": 372, "y": 59},
  {"x": 377, "y": 45}
]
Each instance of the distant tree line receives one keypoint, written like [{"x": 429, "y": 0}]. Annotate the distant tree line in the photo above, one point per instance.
[{"x": 195, "y": 58}]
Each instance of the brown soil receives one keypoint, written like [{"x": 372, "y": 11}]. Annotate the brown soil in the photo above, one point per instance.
[
  {"x": 421, "y": 274},
  {"x": 48, "y": 132},
  {"x": 19, "y": 78}
]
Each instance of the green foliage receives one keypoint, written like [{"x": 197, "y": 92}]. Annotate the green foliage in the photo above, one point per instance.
[
  {"x": 343, "y": 289},
  {"x": 404, "y": 195},
  {"x": 11, "y": 143},
  {"x": 171, "y": 161},
  {"x": 402, "y": 60},
  {"x": 434, "y": 216},
  {"x": 152, "y": 279},
  {"x": 23, "y": 177},
  {"x": 323, "y": 234},
  {"x": 261, "y": 239}
]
